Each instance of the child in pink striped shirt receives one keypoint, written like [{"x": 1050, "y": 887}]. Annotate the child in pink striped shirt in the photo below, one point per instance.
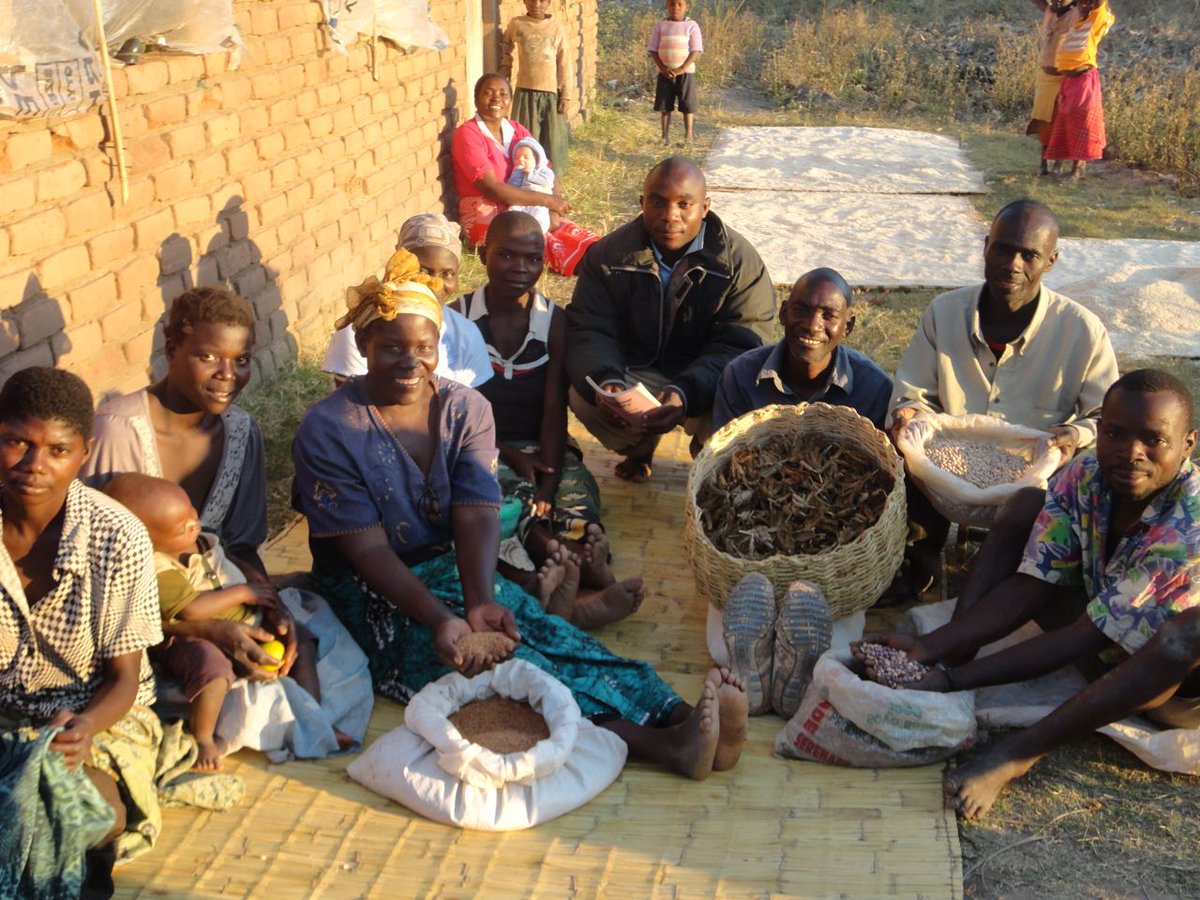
[{"x": 674, "y": 45}]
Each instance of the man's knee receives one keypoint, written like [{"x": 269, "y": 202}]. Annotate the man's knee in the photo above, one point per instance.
[
  {"x": 1177, "y": 640},
  {"x": 1021, "y": 509}
]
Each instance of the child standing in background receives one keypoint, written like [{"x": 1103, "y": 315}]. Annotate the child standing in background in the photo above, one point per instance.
[
  {"x": 674, "y": 45},
  {"x": 1078, "y": 133},
  {"x": 543, "y": 77},
  {"x": 1055, "y": 21}
]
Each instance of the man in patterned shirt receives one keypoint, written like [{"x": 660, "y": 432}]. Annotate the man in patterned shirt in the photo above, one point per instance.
[
  {"x": 78, "y": 602},
  {"x": 1110, "y": 570}
]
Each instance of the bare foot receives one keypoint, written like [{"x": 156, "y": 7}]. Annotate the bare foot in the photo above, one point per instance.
[
  {"x": 344, "y": 741},
  {"x": 974, "y": 787},
  {"x": 209, "y": 759},
  {"x": 611, "y": 604},
  {"x": 562, "y": 598},
  {"x": 550, "y": 573},
  {"x": 693, "y": 742},
  {"x": 735, "y": 711},
  {"x": 596, "y": 572},
  {"x": 637, "y": 469}
]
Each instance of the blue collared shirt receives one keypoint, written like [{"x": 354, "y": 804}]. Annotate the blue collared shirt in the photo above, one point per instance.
[
  {"x": 665, "y": 271},
  {"x": 755, "y": 380}
]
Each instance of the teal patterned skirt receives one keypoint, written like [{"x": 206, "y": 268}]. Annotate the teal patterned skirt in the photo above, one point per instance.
[
  {"x": 576, "y": 502},
  {"x": 403, "y": 659}
]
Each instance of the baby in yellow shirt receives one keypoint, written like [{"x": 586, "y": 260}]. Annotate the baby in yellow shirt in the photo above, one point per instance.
[{"x": 198, "y": 582}]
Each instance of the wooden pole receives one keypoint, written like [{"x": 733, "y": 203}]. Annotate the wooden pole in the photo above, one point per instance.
[
  {"x": 114, "y": 115},
  {"x": 374, "y": 39}
]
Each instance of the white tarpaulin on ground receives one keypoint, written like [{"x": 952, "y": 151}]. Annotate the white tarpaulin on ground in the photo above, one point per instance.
[
  {"x": 404, "y": 22},
  {"x": 881, "y": 240},
  {"x": 49, "y": 61},
  {"x": 842, "y": 160},
  {"x": 1146, "y": 292}
]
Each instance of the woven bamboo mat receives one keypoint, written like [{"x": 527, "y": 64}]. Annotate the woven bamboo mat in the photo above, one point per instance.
[{"x": 767, "y": 828}]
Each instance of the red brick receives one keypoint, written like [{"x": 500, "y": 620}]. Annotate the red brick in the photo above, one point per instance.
[
  {"x": 174, "y": 255},
  {"x": 303, "y": 44},
  {"x": 277, "y": 49},
  {"x": 67, "y": 265},
  {"x": 171, "y": 286},
  {"x": 306, "y": 103},
  {"x": 84, "y": 338},
  {"x": 25, "y": 149},
  {"x": 234, "y": 92},
  {"x": 289, "y": 229},
  {"x": 191, "y": 210},
  {"x": 147, "y": 76},
  {"x": 186, "y": 140},
  {"x": 222, "y": 129},
  {"x": 297, "y": 14},
  {"x": 85, "y": 132},
  {"x": 60, "y": 181},
  {"x": 284, "y": 172},
  {"x": 18, "y": 194},
  {"x": 136, "y": 276},
  {"x": 321, "y": 125},
  {"x": 343, "y": 119},
  {"x": 254, "y": 121},
  {"x": 208, "y": 169},
  {"x": 43, "y": 229},
  {"x": 269, "y": 146},
  {"x": 166, "y": 111},
  {"x": 309, "y": 161},
  {"x": 37, "y": 319},
  {"x": 149, "y": 231},
  {"x": 89, "y": 300},
  {"x": 328, "y": 94},
  {"x": 296, "y": 135},
  {"x": 183, "y": 68},
  {"x": 172, "y": 182},
  {"x": 273, "y": 209},
  {"x": 119, "y": 323},
  {"x": 265, "y": 85},
  {"x": 281, "y": 112},
  {"x": 148, "y": 154},
  {"x": 140, "y": 348},
  {"x": 291, "y": 76},
  {"x": 263, "y": 21},
  {"x": 106, "y": 248},
  {"x": 89, "y": 213},
  {"x": 241, "y": 158}
]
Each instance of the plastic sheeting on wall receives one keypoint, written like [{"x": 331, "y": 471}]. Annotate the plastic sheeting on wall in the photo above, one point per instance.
[
  {"x": 49, "y": 61},
  {"x": 407, "y": 23}
]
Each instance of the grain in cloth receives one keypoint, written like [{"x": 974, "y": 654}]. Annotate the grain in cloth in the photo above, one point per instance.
[{"x": 500, "y": 724}]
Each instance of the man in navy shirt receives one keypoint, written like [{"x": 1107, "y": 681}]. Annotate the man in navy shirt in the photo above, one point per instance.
[{"x": 809, "y": 364}]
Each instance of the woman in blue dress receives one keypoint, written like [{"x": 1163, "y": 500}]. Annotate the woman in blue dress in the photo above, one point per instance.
[{"x": 396, "y": 474}]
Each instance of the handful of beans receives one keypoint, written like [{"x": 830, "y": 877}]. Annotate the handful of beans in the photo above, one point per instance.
[{"x": 891, "y": 667}]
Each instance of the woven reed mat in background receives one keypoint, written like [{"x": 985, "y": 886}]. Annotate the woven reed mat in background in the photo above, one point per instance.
[{"x": 768, "y": 827}]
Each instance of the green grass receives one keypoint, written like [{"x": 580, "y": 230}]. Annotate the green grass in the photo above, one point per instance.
[{"x": 277, "y": 404}]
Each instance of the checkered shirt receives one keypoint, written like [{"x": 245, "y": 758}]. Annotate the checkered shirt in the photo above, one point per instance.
[{"x": 104, "y": 604}]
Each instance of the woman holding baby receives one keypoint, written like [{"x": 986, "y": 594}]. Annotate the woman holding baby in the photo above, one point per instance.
[{"x": 483, "y": 151}]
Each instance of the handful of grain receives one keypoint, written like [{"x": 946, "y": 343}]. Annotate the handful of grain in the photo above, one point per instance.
[
  {"x": 485, "y": 643},
  {"x": 981, "y": 463},
  {"x": 792, "y": 495},
  {"x": 891, "y": 667},
  {"x": 500, "y": 724}
]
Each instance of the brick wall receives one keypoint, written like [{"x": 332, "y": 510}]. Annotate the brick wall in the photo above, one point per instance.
[{"x": 286, "y": 179}]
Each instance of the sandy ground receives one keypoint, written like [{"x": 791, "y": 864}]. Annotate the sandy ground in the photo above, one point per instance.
[
  {"x": 841, "y": 160},
  {"x": 884, "y": 208}
]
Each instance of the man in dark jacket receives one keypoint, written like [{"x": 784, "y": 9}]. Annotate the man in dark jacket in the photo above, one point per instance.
[{"x": 666, "y": 301}]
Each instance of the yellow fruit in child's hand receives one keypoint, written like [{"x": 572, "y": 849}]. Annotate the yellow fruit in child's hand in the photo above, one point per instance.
[{"x": 275, "y": 649}]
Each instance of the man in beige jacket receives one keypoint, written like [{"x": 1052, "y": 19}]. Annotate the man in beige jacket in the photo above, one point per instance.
[{"x": 1010, "y": 348}]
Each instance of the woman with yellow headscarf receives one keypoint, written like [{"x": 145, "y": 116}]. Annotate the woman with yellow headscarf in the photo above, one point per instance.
[{"x": 395, "y": 472}]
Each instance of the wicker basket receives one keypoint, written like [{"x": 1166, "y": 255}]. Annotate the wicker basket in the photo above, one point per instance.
[{"x": 852, "y": 576}]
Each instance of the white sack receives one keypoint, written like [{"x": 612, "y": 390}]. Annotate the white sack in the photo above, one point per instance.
[
  {"x": 956, "y": 498},
  {"x": 413, "y": 764},
  {"x": 407, "y": 23}
]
